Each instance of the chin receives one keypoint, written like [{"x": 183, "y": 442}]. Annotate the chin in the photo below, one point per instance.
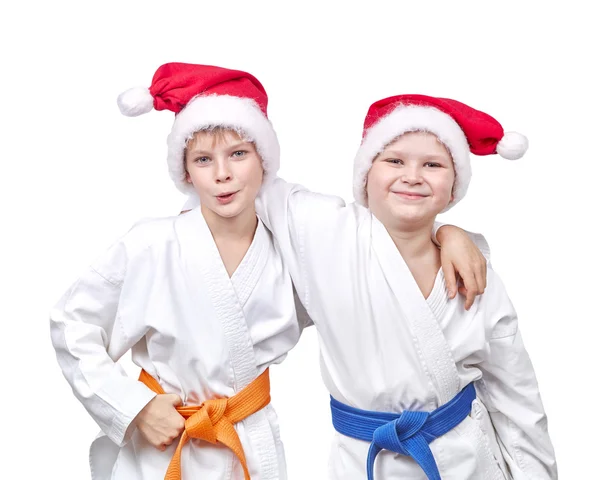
[
  {"x": 411, "y": 216},
  {"x": 233, "y": 209},
  {"x": 228, "y": 211}
]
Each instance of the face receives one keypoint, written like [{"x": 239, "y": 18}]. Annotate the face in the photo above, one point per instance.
[
  {"x": 411, "y": 181},
  {"x": 225, "y": 170}
]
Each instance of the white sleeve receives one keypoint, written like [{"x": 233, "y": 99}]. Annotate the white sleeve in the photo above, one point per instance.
[
  {"x": 291, "y": 213},
  {"x": 88, "y": 338},
  {"x": 511, "y": 394},
  {"x": 477, "y": 238},
  {"x": 304, "y": 320}
]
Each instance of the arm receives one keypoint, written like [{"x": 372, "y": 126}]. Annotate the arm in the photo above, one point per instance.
[
  {"x": 283, "y": 208},
  {"x": 510, "y": 393},
  {"x": 464, "y": 253},
  {"x": 292, "y": 213},
  {"x": 88, "y": 340},
  {"x": 287, "y": 209}
]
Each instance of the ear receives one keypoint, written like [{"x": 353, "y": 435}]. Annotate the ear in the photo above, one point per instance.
[{"x": 188, "y": 179}]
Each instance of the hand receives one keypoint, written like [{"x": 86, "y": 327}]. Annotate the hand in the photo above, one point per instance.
[
  {"x": 159, "y": 422},
  {"x": 460, "y": 255}
]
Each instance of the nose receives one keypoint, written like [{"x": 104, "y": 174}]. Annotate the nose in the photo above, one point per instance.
[
  {"x": 412, "y": 175},
  {"x": 222, "y": 171}
]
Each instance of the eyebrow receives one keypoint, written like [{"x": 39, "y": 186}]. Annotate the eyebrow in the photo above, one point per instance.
[
  {"x": 435, "y": 157},
  {"x": 392, "y": 152},
  {"x": 195, "y": 151},
  {"x": 238, "y": 145},
  {"x": 400, "y": 153}
]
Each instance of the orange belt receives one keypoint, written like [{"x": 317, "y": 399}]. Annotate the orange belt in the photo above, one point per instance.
[{"x": 213, "y": 420}]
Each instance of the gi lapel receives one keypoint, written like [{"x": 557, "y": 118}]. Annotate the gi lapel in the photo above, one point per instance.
[
  {"x": 201, "y": 257},
  {"x": 431, "y": 344},
  {"x": 249, "y": 270}
]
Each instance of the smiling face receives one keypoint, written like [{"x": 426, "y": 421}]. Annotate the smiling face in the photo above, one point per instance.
[
  {"x": 411, "y": 181},
  {"x": 225, "y": 170}
]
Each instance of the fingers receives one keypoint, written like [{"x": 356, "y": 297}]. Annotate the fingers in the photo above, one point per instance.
[
  {"x": 180, "y": 424},
  {"x": 483, "y": 273},
  {"x": 469, "y": 297},
  {"x": 174, "y": 399},
  {"x": 477, "y": 267},
  {"x": 162, "y": 441},
  {"x": 470, "y": 290},
  {"x": 163, "y": 446},
  {"x": 477, "y": 271},
  {"x": 450, "y": 276},
  {"x": 160, "y": 423},
  {"x": 473, "y": 277}
]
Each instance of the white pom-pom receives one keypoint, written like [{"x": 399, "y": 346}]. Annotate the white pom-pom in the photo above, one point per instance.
[
  {"x": 135, "y": 101},
  {"x": 512, "y": 146}
]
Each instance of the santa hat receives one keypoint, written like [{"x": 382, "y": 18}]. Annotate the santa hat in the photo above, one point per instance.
[
  {"x": 204, "y": 96},
  {"x": 459, "y": 127}
]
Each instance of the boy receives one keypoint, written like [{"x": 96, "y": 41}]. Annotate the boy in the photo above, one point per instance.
[
  {"x": 391, "y": 341},
  {"x": 202, "y": 300}
]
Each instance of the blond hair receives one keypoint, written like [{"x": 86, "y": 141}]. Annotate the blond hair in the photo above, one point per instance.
[{"x": 218, "y": 134}]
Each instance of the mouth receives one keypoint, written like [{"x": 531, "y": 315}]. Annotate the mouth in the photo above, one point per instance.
[
  {"x": 226, "y": 198},
  {"x": 410, "y": 195}
]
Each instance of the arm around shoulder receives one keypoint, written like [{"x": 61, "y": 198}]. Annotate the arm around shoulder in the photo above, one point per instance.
[
  {"x": 440, "y": 230},
  {"x": 281, "y": 203},
  {"x": 464, "y": 254},
  {"x": 292, "y": 214}
]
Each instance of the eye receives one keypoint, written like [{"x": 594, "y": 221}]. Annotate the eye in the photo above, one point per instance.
[
  {"x": 202, "y": 160},
  {"x": 433, "y": 165},
  {"x": 239, "y": 153},
  {"x": 394, "y": 161}
]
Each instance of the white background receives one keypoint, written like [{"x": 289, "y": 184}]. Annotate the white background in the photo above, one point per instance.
[{"x": 75, "y": 175}]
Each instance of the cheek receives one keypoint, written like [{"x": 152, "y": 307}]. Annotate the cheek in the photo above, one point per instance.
[
  {"x": 444, "y": 185},
  {"x": 377, "y": 183},
  {"x": 253, "y": 174},
  {"x": 257, "y": 175},
  {"x": 376, "y": 191},
  {"x": 200, "y": 180}
]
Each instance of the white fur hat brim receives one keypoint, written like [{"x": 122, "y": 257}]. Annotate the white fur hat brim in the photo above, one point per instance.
[
  {"x": 411, "y": 118},
  {"x": 240, "y": 114}
]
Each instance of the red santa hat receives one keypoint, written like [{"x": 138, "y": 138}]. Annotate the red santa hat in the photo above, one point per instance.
[
  {"x": 459, "y": 127},
  {"x": 203, "y": 96}
]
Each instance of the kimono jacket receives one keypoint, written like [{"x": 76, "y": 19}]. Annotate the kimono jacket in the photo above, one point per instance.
[
  {"x": 163, "y": 292},
  {"x": 385, "y": 347}
]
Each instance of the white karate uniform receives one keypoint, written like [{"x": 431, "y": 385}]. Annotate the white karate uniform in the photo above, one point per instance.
[
  {"x": 162, "y": 292},
  {"x": 384, "y": 347}
]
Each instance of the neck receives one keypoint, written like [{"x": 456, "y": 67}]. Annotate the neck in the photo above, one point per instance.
[
  {"x": 240, "y": 227},
  {"x": 412, "y": 241}
]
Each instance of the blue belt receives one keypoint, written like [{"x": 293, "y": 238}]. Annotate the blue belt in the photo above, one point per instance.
[{"x": 408, "y": 433}]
